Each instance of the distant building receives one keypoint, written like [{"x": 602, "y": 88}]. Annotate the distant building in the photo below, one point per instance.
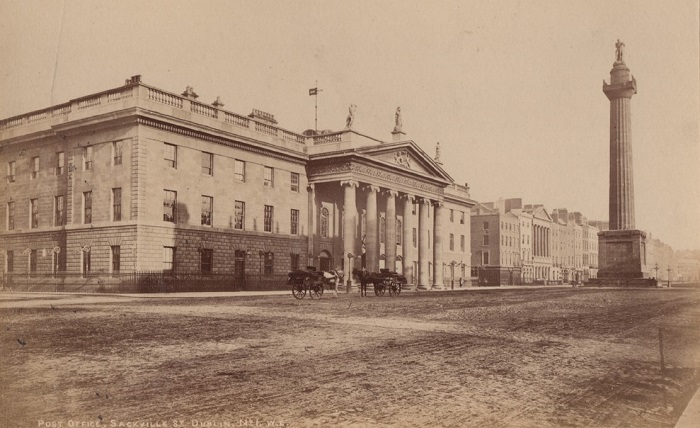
[{"x": 496, "y": 253}]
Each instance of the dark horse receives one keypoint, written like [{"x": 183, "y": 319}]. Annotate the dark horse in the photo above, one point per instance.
[{"x": 362, "y": 276}]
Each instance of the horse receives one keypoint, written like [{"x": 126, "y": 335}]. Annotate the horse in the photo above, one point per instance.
[{"x": 362, "y": 276}]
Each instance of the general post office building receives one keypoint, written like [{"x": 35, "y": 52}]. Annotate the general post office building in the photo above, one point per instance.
[{"x": 140, "y": 179}]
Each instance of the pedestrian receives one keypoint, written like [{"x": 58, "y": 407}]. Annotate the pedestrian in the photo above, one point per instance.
[{"x": 338, "y": 280}]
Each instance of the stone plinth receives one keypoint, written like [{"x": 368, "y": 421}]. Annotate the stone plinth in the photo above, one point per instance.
[{"x": 622, "y": 254}]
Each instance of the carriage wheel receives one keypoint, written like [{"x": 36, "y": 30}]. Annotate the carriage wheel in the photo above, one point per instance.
[
  {"x": 316, "y": 291},
  {"x": 298, "y": 291},
  {"x": 393, "y": 289},
  {"x": 379, "y": 289}
]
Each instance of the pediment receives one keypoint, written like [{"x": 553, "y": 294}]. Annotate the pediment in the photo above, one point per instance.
[{"x": 406, "y": 155}]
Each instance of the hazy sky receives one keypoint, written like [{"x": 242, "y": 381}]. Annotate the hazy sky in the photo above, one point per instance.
[{"x": 512, "y": 90}]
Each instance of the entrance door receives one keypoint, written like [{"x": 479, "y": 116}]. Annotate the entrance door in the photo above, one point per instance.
[
  {"x": 325, "y": 261},
  {"x": 239, "y": 267}
]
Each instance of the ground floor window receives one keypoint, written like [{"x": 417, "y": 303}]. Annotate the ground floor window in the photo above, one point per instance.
[
  {"x": 86, "y": 262},
  {"x": 116, "y": 258},
  {"x": 295, "y": 262},
  {"x": 206, "y": 260},
  {"x": 168, "y": 259},
  {"x": 269, "y": 263}
]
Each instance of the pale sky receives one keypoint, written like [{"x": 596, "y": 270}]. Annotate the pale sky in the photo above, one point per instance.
[{"x": 512, "y": 90}]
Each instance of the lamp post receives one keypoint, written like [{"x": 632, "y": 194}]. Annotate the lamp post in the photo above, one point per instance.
[
  {"x": 656, "y": 268},
  {"x": 261, "y": 253},
  {"x": 669, "y": 276},
  {"x": 349, "y": 271}
]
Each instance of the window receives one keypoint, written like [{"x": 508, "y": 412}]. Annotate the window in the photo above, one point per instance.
[
  {"x": 486, "y": 239},
  {"x": 269, "y": 263},
  {"x": 116, "y": 258},
  {"x": 415, "y": 238},
  {"x": 10, "y": 216},
  {"x": 87, "y": 207},
  {"x": 168, "y": 259},
  {"x": 413, "y": 208},
  {"x": 60, "y": 162},
  {"x": 295, "y": 182},
  {"x": 324, "y": 222},
  {"x": 35, "y": 168},
  {"x": 11, "y": 171},
  {"x": 269, "y": 177},
  {"x": 10, "y": 261},
  {"x": 239, "y": 170},
  {"x": 58, "y": 218},
  {"x": 399, "y": 231},
  {"x": 207, "y": 163},
  {"x": 461, "y": 243},
  {"x": 239, "y": 215},
  {"x": 34, "y": 213},
  {"x": 170, "y": 155},
  {"x": 117, "y": 204},
  {"x": 485, "y": 258},
  {"x": 269, "y": 213},
  {"x": 87, "y": 158},
  {"x": 452, "y": 242},
  {"x": 206, "y": 260},
  {"x": 295, "y": 262},
  {"x": 294, "y": 221},
  {"x": 207, "y": 208},
  {"x": 169, "y": 205},
  {"x": 382, "y": 229},
  {"x": 486, "y": 225},
  {"x": 461, "y": 218},
  {"x": 452, "y": 216},
  {"x": 117, "y": 152},
  {"x": 86, "y": 262},
  {"x": 32, "y": 261}
]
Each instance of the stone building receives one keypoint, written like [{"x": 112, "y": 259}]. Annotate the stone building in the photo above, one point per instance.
[
  {"x": 496, "y": 247},
  {"x": 141, "y": 179}
]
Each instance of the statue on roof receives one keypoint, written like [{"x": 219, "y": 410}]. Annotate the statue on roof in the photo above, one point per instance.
[
  {"x": 619, "y": 51},
  {"x": 398, "y": 122},
  {"x": 437, "y": 153},
  {"x": 351, "y": 116}
]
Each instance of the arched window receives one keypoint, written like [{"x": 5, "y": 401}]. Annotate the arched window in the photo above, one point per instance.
[
  {"x": 324, "y": 222},
  {"x": 382, "y": 229},
  {"x": 399, "y": 232}
]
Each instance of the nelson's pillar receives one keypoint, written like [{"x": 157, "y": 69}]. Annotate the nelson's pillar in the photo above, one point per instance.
[{"x": 622, "y": 249}]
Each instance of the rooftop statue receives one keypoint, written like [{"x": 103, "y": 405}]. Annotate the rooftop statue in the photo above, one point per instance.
[
  {"x": 351, "y": 116},
  {"x": 437, "y": 152},
  {"x": 399, "y": 123},
  {"x": 619, "y": 51}
]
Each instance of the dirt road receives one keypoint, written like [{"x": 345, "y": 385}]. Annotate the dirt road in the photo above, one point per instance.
[{"x": 516, "y": 358}]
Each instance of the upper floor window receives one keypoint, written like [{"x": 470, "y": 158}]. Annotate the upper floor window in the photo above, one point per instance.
[
  {"x": 452, "y": 242},
  {"x": 207, "y": 163},
  {"x": 461, "y": 218},
  {"x": 452, "y": 216},
  {"x": 58, "y": 211},
  {"x": 169, "y": 205},
  {"x": 87, "y": 158},
  {"x": 60, "y": 162},
  {"x": 239, "y": 170},
  {"x": 269, "y": 218},
  {"x": 117, "y": 204},
  {"x": 170, "y": 155},
  {"x": 239, "y": 215},
  {"x": 324, "y": 222},
  {"x": 87, "y": 207},
  {"x": 294, "y": 182},
  {"x": 399, "y": 231},
  {"x": 117, "y": 152},
  {"x": 486, "y": 225},
  {"x": 34, "y": 213},
  {"x": 11, "y": 171},
  {"x": 207, "y": 209},
  {"x": 486, "y": 239},
  {"x": 461, "y": 243},
  {"x": 35, "y": 168},
  {"x": 10, "y": 215},
  {"x": 269, "y": 177},
  {"x": 294, "y": 221}
]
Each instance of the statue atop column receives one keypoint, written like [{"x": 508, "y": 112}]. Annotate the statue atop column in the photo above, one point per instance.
[
  {"x": 351, "y": 116},
  {"x": 619, "y": 52},
  {"x": 397, "y": 119}
]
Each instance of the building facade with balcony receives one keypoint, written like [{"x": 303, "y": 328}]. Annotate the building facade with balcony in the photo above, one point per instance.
[{"x": 141, "y": 179}]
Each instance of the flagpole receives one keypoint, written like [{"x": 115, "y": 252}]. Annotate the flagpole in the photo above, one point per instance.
[{"x": 316, "y": 109}]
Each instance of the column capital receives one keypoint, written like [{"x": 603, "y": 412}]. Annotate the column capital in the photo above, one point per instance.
[
  {"x": 371, "y": 188},
  {"x": 425, "y": 201},
  {"x": 390, "y": 192},
  {"x": 310, "y": 187},
  {"x": 406, "y": 196},
  {"x": 350, "y": 183},
  {"x": 438, "y": 204}
]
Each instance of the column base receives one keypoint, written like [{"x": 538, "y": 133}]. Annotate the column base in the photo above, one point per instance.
[{"x": 622, "y": 255}]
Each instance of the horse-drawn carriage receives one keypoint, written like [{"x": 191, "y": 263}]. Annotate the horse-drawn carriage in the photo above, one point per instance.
[
  {"x": 382, "y": 281},
  {"x": 310, "y": 281}
]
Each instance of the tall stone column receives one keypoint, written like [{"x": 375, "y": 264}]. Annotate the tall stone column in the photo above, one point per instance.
[
  {"x": 349, "y": 221},
  {"x": 311, "y": 226},
  {"x": 423, "y": 250},
  {"x": 438, "y": 281},
  {"x": 371, "y": 241},
  {"x": 407, "y": 242},
  {"x": 390, "y": 238}
]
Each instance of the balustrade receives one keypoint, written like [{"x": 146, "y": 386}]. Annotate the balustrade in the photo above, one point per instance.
[
  {"x": 89, "y": 102},
  {"x": 164, "y": 97},
  {"x": 265, "y": 129},
  {"x": 237, "y": 120},
  {"x": 328, "y": 138},
  {"x": 203, "y": 109},
  {"x": 120, "y": 95}
]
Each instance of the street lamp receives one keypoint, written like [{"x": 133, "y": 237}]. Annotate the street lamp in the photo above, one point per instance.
[
  {"x": 261, "y": 253},
  {"x": 349, "y": 271},
  {"x": 669, "y": 276}
]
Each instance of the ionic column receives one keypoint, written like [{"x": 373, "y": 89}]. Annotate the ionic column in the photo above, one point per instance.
[
  {"x": 437, "y": 246},
  {"x": 390, "y": 238},
  {"x": 349, "y": 216},
  {"x": 423, "y": 250},
  {"x": 407, "y": 242},
  {"x": 312, "y": 219},
  {"x": 371, "y": 241}
]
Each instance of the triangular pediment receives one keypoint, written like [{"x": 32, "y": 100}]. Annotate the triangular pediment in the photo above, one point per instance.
[{"x": 405, "y": 155}]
